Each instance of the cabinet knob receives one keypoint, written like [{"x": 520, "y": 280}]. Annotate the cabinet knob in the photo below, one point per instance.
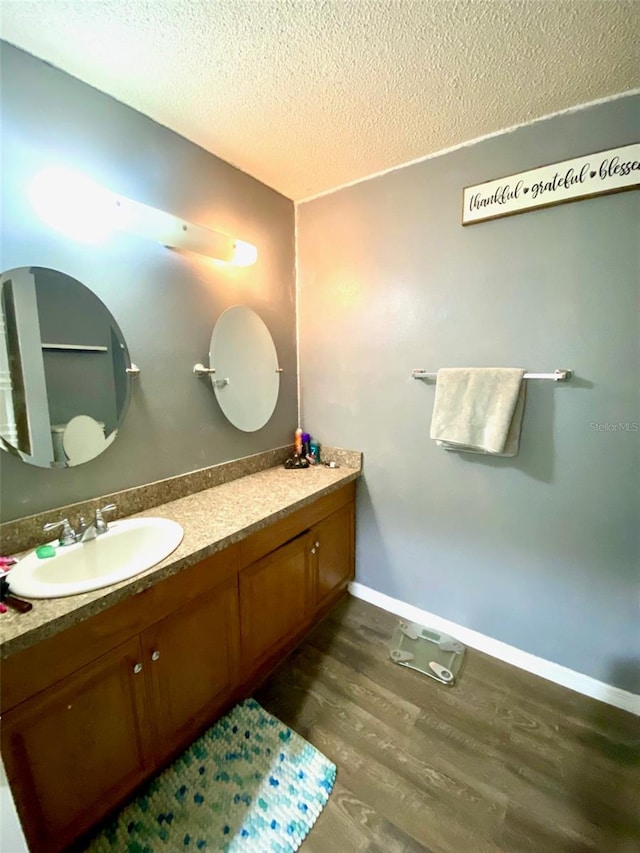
[
  {"x": 313, "y": 550},
  {"x": 317, "y": 544},
  {"x": 137, "y": 668},
  {"x": 155, "y": 654}
]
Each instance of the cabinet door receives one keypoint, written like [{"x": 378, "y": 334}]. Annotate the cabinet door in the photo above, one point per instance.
[
  {"x": 74, "y": 750},
  {"x": 275, "y": 601},
  {"x": 332, "y": 545},
  {"x": 191, "y": 658}
]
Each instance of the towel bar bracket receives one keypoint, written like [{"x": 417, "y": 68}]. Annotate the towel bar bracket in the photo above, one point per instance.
[{"x": 562, "y": 374}]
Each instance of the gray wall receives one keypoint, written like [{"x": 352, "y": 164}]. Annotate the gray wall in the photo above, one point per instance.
[
  {"x": 540, "y": 551},
  {"x": 165, "y": 303}
]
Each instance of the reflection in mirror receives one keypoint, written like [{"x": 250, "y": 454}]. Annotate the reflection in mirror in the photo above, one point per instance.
[
  {"x": 64, "y": 389},
  {"x": 247, "y": 378}
]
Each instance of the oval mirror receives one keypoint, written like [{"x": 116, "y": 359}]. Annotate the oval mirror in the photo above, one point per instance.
[
  {"x": 247, "y": 378},
  {"x": 64, "y": 388}
]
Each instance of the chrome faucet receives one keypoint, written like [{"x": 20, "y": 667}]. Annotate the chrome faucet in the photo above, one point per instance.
[
  {"x": 68, "y": 535},
  {"x": 98, "y": 526},
  {"x": 85, "y": 532}
]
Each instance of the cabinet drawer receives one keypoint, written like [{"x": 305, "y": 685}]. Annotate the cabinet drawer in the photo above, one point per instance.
[{"x": 267, "y": 540}]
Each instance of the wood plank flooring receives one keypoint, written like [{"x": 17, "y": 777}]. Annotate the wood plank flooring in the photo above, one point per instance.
[{"x": 504, "y": 762}]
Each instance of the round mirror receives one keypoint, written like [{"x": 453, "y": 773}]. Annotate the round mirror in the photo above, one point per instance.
[
  {"x": 247, "y": 378},
  {"x": 64, "y": 388}
]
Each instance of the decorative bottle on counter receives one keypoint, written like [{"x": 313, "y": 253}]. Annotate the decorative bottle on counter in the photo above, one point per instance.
[{"x": 306, "y": 444}]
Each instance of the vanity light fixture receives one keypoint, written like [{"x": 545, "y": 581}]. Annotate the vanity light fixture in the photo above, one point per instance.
[{"x": 77, "y": 206}]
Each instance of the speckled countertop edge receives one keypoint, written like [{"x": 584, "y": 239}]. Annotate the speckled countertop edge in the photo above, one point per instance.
[{"x": 212, "y": 519}]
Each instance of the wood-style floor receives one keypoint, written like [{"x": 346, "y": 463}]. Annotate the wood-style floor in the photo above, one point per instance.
[{"x": 504, "y": 761}]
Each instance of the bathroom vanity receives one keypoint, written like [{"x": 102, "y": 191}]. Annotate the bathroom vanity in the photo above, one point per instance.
[{"x": 100, "y": 691}]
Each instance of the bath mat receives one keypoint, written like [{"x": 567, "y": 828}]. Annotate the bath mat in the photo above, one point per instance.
[{"x": 248, "y": 784}]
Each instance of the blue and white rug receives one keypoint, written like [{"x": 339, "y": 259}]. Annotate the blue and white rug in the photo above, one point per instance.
[{"x": 249, "y": 783}]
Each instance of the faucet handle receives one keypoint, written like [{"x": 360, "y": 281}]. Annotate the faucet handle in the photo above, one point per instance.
[
  {"x": 68, "y": 535},
  {"x": 100, "y": 524}
]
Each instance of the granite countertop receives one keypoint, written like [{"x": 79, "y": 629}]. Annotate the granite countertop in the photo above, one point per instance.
[{"x": 212, "y": 519}]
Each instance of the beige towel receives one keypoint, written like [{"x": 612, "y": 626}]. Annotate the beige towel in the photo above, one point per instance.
[{"x": 479, "y": 410}]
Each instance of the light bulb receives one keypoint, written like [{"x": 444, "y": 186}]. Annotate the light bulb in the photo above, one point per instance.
[
  {"x": 73, "y": 204},
  {"x": 244, "y": 254}
]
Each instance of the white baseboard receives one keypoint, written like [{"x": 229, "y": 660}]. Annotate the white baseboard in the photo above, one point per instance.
[{"x": 538, "y": 666}]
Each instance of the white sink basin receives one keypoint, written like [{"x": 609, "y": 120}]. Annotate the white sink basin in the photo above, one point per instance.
[{"x": 129, "y": 547}]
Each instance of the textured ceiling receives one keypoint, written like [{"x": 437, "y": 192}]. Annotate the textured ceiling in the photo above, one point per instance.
[{"x": 307, "y": 95}]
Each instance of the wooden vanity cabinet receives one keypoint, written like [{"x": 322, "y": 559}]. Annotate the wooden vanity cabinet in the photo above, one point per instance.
[
  {"x": 78, "y": 747},
  {"x": 95, "y": 710}
]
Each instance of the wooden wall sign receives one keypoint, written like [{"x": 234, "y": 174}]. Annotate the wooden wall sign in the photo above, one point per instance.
[{"x": 610, "y": 171}]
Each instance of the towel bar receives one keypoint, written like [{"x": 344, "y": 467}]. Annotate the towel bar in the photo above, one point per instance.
[{"x": 560, "y": 375}]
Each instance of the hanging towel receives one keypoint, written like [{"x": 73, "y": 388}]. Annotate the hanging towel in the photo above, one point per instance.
[{"x": 479, "y": 410}]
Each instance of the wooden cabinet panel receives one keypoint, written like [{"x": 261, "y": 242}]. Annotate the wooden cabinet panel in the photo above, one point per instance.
[
  {"x": 275, "y": 601},
  {"x": 332, "y": 542},
  {"x": 74, "y": 750},
  {"x": 191, "y": 658}
]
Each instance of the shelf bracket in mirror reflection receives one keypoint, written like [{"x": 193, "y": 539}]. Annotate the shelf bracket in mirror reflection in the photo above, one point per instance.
[
  {"x": 243, "y": 350},
  {"x": 76, "y": 347},
  {"x": 200, "y": 370},
  {"x": 65, "y": 369}
]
